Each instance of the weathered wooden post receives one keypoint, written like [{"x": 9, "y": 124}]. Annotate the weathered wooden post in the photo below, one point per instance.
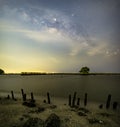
[
  {"x": 78, "y": 101},
  {"x": 74, "y": 99},
  {"x": 85, "y": 99},
  {"x": 8, "y": 97},
  {"x": 32, "y": 97},
  {"x": 108, "y": 101},
  {"x": 44, "y": 101},
  {"x": 69, "y": 103},
  {"x": 22, "y": 91},
  {"x": 12, "y": 95},
  {"x": 48, "y": 97},
  {"x": 100, "y": 106},
  {"x": 115, "y": 104},
  {"x": 24, "y": 97}
]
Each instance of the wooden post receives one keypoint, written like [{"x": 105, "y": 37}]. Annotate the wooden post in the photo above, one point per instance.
[
  {"x": 85, "y": 99},
  {"x": 74, "y": 99},
  {"x": 24, "y": 97},
  {"x": 108, "y": 101},
  {"x": 12, "y": 95},
  {"x": 8, "y": 97},
  {"x": 100, "y": 106},
  {"x": 69, "y": 103},
  {"x": 115, "y": 104},
  {"x": 32, "y": 97},
  {"x": 22, "y": 94},
  {"x": 22, "y": 91},
  {"x": 48, "y": 96},
  {"x": 78, "y": 101}
]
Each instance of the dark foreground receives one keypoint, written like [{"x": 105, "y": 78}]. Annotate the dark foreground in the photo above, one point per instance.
[{"x": 16, "y": 113}]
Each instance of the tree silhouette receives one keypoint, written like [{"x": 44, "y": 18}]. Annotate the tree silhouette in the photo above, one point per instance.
[
  {"x": 1, "y": 72},
  {"x": 84, "y": 70}
]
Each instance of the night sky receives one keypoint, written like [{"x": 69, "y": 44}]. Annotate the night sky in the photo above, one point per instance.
[{"x": 59, "y": 35}]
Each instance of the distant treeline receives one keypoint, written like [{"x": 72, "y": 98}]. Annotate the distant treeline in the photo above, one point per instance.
[
  {"x": 33, "y": 73},
  {"x": 45, "y": 73}
]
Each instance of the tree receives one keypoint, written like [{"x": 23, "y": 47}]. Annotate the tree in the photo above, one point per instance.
[
  {"x": 1, "y": 72},
  {"x": 84, "y": 70}
]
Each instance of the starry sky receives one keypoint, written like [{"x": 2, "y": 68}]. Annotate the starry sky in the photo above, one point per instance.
[{"x": 59, "y": 35}]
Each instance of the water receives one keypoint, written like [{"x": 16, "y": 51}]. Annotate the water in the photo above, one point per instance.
[{"x": 97, "y": 86}]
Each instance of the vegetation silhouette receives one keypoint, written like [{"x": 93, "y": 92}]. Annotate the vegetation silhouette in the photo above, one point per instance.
[
  {"x": 1, "y": 72},
  {"x": 84, "y": 70}
]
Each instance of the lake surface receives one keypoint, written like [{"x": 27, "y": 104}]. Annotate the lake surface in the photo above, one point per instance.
[{"x": 97, "y": 86}]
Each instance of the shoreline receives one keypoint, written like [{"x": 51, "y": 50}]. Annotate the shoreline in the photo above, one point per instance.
[
  {"x": 17, "y": 114},
  {"x": 39, "y": 73}
]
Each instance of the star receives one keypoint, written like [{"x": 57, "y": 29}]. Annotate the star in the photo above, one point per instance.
[{"x": 54, "y": 19}]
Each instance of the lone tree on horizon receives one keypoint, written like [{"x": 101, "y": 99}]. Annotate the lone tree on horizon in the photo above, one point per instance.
[
  {"x": 1, "y": 72},
  {"x": 84, "y": 70}
]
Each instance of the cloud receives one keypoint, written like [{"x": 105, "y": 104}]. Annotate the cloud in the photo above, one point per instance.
[
  {"x": 24, "y": 16},
  {"x": 99, "y": 49},
  {"x": 78, "y": 48},
  {"x": 50, "y": 35}
]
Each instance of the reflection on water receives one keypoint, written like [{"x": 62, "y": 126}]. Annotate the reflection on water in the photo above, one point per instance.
[{"x": 97, "y": 86}]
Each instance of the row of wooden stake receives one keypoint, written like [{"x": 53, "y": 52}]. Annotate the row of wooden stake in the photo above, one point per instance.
[
  {"x": 71, "y": 102},
  {"x": 24, "y": 97}
]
